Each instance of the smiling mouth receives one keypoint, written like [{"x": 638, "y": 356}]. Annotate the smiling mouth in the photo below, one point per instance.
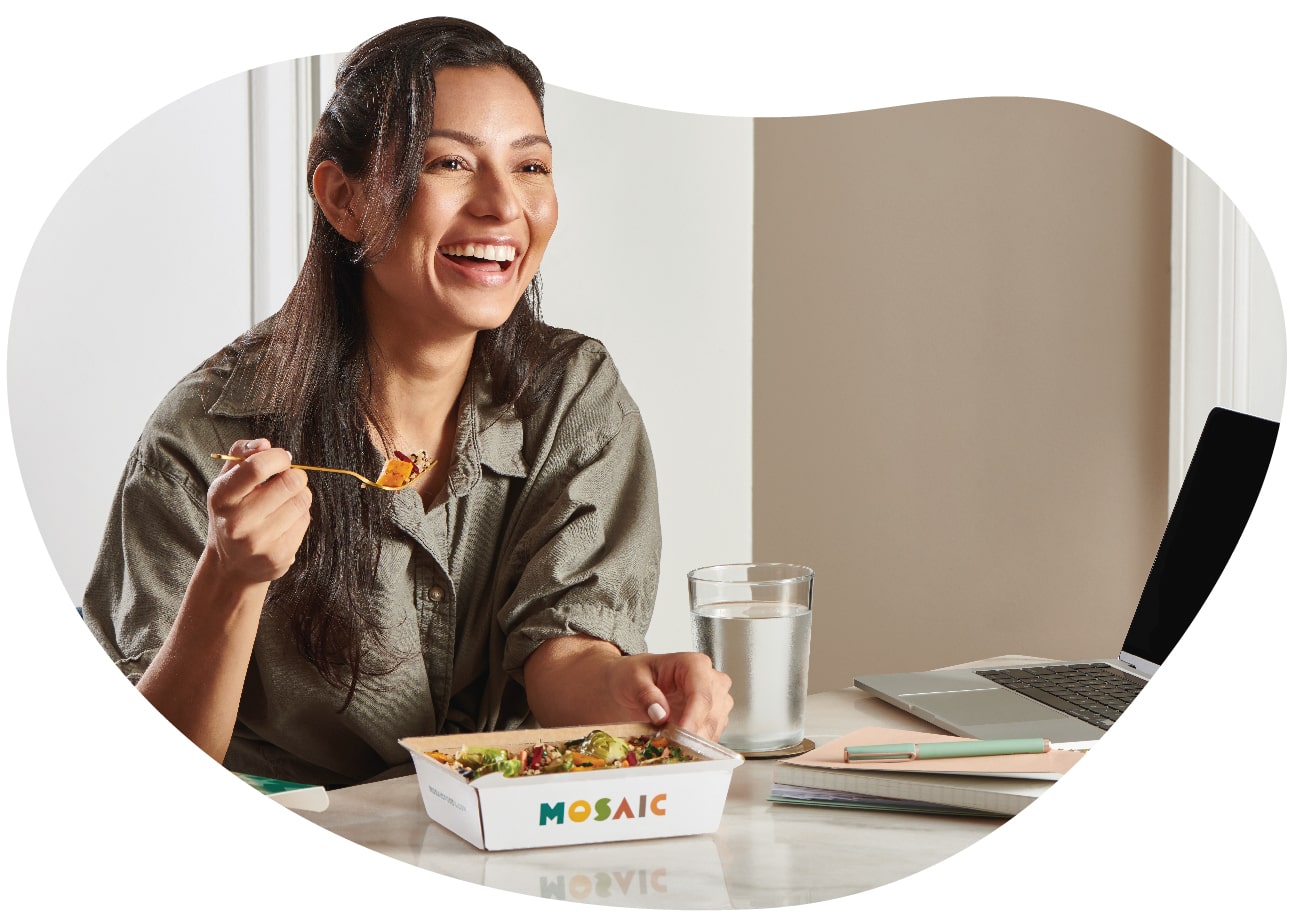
[{"x": 481, "y": 256}]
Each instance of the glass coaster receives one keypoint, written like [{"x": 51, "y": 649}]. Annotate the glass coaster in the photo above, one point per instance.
[{"x": 802, "y": 748}]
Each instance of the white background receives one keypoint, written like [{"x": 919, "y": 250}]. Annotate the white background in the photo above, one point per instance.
[{"x": 111, "y": 813}]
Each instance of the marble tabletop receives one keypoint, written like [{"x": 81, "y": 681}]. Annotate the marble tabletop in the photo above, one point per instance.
[{"x": 763, "y": 854}]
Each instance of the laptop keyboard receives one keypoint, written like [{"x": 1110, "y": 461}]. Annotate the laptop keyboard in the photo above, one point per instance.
[{"x": 1095, "y": 693}]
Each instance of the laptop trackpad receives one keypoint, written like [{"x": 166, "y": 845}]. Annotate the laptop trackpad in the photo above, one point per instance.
[{"x": 979, "y": 707}]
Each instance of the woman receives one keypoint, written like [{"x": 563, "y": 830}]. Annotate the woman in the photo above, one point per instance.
[{"x": 297, "y": 626}]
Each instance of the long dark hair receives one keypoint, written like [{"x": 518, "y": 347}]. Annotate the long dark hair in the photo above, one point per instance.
[{"x": 314, "y": 382}]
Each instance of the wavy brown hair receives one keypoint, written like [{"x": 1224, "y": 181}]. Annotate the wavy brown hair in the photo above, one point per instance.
[{"x": 314, "y": 382}]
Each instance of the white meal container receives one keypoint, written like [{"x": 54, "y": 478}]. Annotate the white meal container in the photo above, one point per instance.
[{"x": 614, "y": 804}]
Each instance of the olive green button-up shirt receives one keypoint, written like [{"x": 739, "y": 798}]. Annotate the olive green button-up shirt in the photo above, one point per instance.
[{"x": 549, "y": 526}]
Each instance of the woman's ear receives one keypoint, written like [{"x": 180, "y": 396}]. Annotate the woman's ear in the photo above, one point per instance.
[{"x": 340, "y": 198}]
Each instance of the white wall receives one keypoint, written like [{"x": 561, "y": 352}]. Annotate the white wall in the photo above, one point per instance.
[
  {"x": 145, "y": 268},
  {"x": 653, "y": 256},
  {"x": 141, "y": 271}
]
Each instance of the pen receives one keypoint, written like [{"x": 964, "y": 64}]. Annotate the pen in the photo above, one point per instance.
[{"x": 930, "y": 750}]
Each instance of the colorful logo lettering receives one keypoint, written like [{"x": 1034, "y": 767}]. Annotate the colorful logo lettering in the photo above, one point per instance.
[{"x": 605, "y": 809}]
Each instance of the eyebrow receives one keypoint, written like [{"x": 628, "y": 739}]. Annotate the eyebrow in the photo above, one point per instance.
[{"x": 472, "y": 141}]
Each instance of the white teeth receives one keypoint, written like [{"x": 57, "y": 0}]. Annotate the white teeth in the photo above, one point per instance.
[{"x": 501, "y": 252}]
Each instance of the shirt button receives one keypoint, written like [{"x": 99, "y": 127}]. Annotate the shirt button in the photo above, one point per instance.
[{"x": 436, "y": 594}]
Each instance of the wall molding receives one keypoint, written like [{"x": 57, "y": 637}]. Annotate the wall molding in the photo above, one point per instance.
[
  {"x": 284, "y": 104},
  {"x": 1226, "y": 324}
]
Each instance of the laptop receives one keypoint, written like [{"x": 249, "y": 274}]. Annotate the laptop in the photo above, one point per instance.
[{"x": 1077, "y": 701}]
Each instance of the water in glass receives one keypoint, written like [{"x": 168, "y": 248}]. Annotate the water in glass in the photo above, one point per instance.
[{"x": 764, "y": 648}]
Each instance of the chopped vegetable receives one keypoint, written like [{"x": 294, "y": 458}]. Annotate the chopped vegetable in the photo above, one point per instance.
[
  {"x": 401, "y": 470},
  {"x": 597, "y": 750},
  {"x": 396, "y": 474},
  {"x": 602, "y": 745}
]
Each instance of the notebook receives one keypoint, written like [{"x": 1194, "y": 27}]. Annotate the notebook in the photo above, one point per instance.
[
  {"x": 1217, "y": 495},
  {"x": 997, "y": 786}
]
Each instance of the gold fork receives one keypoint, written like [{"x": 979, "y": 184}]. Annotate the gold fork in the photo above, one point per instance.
[{"x": 368, "y": 483}]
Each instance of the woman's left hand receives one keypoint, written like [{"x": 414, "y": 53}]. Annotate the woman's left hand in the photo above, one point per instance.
[{"x": 680, "y": 687}]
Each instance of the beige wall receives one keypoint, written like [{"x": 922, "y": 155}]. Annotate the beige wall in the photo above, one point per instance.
[{"x": 961, "y": 336}]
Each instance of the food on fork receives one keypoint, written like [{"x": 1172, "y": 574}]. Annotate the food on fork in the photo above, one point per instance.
[
  {"x": 403, "y": 469},
  {"x": 398, "y": 474}
]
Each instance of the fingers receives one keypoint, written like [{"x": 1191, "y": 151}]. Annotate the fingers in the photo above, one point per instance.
[
  {"x": 260, "y": 462},
  {"x": 706, "y": 701},
  {"x": 260, "y": 485},
  {"x": 259, "y": 512},
  {"x": 636, "y": 688},
  {"x": 686, "y": 689},
  {"x": 244, "y": 448}
]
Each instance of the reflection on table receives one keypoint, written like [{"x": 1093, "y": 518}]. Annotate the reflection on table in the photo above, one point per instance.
[{"x": 763, "y": 854}]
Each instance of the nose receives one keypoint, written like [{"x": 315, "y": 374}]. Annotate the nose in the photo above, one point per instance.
[{"x": 493, "y": 196}]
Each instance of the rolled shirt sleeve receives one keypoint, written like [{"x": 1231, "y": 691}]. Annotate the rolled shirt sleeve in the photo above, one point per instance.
[{"x": 592, "y": 555}]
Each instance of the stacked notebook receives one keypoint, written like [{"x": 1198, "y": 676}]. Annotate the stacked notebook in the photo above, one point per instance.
[{"x": 998, "y": 786}]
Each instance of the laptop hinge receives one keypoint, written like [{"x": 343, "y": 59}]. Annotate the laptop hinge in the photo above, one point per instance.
[{"x": 1138, "y": 665}]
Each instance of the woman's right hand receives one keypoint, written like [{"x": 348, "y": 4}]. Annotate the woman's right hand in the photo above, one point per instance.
[{"x": 258, "y": 511}]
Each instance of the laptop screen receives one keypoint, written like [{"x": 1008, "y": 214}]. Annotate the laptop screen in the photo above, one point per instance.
[{"x": 1216, "y": 498}]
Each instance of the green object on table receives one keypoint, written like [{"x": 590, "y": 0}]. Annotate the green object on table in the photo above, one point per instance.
[
  {"x": 270, "y": 786},
  {"x": 304, "y": 796},
  {"x": 931, "y": 750}
]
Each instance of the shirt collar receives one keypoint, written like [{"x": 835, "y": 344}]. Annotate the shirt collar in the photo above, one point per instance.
[
  {"x": 235, "y": 397},
  {"x": 489, "y": 435}
]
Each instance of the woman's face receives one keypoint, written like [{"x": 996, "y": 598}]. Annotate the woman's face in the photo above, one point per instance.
[{"x": 482, "y": 216}]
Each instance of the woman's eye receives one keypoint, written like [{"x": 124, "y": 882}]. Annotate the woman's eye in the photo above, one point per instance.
[
  {"x": 537, "y": 167},
  {"x": 451, "y": 164}
]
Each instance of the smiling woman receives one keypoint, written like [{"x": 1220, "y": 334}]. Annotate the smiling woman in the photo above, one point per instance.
[
  {"x": 298, "y": 628},
  {"x": 479, "y": 222}
]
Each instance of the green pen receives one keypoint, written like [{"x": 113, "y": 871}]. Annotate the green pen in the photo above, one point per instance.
[{"x": 930, "y": 750}]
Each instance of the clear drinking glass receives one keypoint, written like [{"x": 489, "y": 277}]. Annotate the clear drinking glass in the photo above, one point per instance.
[{"x": 754, "y": 622}]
